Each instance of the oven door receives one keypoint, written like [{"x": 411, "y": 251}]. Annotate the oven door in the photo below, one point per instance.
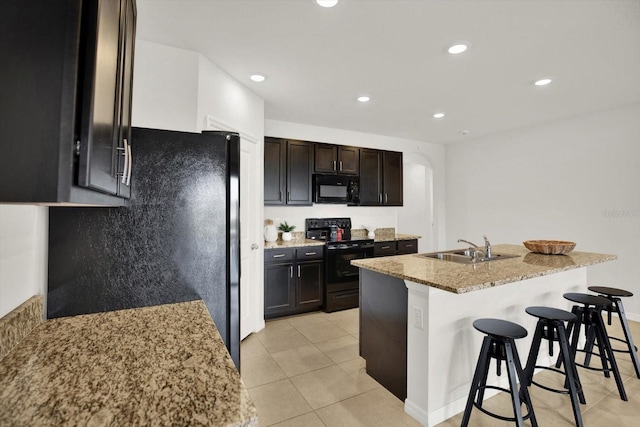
[{"x": 341, "y": 275}]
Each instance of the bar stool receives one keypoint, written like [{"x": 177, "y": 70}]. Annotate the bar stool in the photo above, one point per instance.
[
  {"x": 590, "y": 315},
  {"x": 550, "y": 327},
  {"x": 499, "y": 344},
  {"x": 613, "y": 295}
]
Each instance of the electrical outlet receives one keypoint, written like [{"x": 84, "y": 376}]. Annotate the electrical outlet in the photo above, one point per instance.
[{"x": 417, "y": 317}]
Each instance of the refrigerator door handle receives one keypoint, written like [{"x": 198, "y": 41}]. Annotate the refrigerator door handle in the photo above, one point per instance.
[
  {"x": 130, "y": 163},
  {"x": 125, "y": 166}
]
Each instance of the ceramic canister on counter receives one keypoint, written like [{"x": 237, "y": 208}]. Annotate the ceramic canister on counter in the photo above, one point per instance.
[{"x": 270, "y": 233}]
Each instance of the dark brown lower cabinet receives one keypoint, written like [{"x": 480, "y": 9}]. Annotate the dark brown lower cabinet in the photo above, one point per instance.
[
  {"x": 399, "y": 247},
  {"x": 293, "y": 281}
]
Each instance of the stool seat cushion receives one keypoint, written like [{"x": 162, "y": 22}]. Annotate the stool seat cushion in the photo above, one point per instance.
[
  {"x": 587, "y": 299},
  {"x": 612, "y": 292},
  {"x": 551, "y": 313},
  {"x": 500, "y": 328}
]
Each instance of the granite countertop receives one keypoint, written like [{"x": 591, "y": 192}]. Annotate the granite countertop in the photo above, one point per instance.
[
  {"x": 295, "y": 243},
  {"x": 394, "y": 237},
  {"x": 164, "y": 365},
  {"x": 461, "y": 278}
]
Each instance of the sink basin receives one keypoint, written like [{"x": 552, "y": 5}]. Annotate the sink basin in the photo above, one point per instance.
[{"x": 463, "y": 256}]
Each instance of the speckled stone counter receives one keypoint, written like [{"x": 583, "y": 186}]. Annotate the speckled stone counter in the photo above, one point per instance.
[
  {"x": 394, "y": 237},
  {"x": 162, "y": 365},
  {"x": 19, "y": 323},
  {"x": 296, "y": 243},
  {"x": 461, "y": 278}
]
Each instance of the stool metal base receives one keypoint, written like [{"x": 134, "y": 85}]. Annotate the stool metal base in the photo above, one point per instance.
[
  {"x": 501, "y": 348},
  {"x": 590, "y": 316},
  {"x": 613, "y": 295},
  {"x": 550, "y": 327}
]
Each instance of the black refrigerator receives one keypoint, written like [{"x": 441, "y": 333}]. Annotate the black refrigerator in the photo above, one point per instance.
[{"x": 176, "y": 240}]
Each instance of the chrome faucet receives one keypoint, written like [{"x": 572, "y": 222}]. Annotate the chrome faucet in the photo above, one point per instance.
[
  {"x": 474, "y": 248},
  {"x": 487, "y": 247}
]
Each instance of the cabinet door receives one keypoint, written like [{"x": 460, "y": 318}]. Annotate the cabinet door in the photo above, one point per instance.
[
  {"x": 98, "y": 136},
  {"x": 348, "y": 160},
  {"x": 124, "y": 162},
  {"x": 279, "y": 289},
  {"x": 274, "y": 171},
  {"x": 309, "y": 289},
  {"x": 407, "y": 247},
  {"x": 392, "y": 184},
  {"x": 384, "y": 249},
  {"x": 299, "y": 167},
  {"x": 326, "y": 159},
  {"x": 370, "y": 177}
]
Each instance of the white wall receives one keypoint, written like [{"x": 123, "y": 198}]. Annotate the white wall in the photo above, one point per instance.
[
  {"x": 574, "y": 180},
  {"x": 23, "y": 254},
  {"x": 176, "y": 89},
  {"x": 165, "y": 88},
  {"x": 416, "y": 152}
]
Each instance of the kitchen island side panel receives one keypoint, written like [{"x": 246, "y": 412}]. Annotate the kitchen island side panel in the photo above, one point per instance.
[
  {"x": 168, "y": 245},
  {"x": 383, "y": 330}
]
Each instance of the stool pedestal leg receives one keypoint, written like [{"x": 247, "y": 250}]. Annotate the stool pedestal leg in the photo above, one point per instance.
[{"x": 627, "y": 335}]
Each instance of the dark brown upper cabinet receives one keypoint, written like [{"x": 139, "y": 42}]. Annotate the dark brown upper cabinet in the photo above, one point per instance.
[
  {"x": 337, "y": 159},
  {"x": 288, "y": 169},
  {"x": 66, "y": 104},
  {"x": 275, "y": 172},
  {"x": 299, "y": 172},
  {"x": 380, "y": 178}
]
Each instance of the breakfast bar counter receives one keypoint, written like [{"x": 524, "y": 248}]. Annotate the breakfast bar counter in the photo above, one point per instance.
[
  {"x": 161, "y": 365},
  {"x": 461, "y": 278},
  {"x": 416, "y": 316}
]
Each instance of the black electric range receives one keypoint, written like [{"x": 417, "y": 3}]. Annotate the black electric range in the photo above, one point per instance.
[{"x": 341, "y": 278}]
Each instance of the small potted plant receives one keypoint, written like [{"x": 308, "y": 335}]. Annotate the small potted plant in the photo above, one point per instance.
[{"x": 286, "y": 231}]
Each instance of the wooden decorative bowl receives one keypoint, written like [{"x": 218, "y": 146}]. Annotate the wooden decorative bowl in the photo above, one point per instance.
[{"x": 549, "y": 247}]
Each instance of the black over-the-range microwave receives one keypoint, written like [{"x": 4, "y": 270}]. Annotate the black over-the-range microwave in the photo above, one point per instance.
[{"x": 339, "y": 189}]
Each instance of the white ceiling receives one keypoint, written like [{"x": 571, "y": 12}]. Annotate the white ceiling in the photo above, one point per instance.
[{"x": 320, "y": 60}]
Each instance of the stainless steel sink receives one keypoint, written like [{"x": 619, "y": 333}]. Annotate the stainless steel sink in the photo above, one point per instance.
[{"x": 464, "y": 256}]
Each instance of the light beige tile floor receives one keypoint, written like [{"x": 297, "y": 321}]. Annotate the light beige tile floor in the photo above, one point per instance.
[{"x": 305, "y": 371}]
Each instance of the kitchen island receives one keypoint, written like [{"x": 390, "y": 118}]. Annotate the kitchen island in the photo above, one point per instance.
[
  {"x": 416, "y": 314},
  {"x": 161, "y": 365}
]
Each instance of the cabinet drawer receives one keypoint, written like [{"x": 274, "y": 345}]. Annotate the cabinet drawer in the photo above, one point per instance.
[
  {"x": 407, "y": 247},
  {"x": 278, "y": 255},
  {"x": 310, "y": 252},
  {"x": 384, "y": 248}
]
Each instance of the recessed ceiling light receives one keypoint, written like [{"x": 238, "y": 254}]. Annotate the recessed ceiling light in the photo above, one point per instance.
[
  {"x": 364, "y": 99},
  {"x": 258, "y": 77},
  {"x": 542, "y": 82},
  {"x": 438, "y": 115},
  {"x": 327, "y": 3},
  {"x": 458, "y": 48}
]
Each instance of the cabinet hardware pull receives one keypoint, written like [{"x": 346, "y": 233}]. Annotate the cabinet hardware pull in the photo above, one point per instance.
[
  {"x": 125, "y": 168},
  {"x": 408, "y": 246},
  {"x": 310, "y": 253},
  {"x": 288, "y": 196},
  {"x": 334, "y": 165},
  {"x": 278, "y": 256},
  {"x": 130, "y": 164},
  {"x": 298, "y": 271},
  {"x": 340, "y": 165},
  {"x": 386, "y": 247},
  {"x": 386, "y": 198},
  {"x": 291, "y": 272},
  {"x": 380, "y": 198}
]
